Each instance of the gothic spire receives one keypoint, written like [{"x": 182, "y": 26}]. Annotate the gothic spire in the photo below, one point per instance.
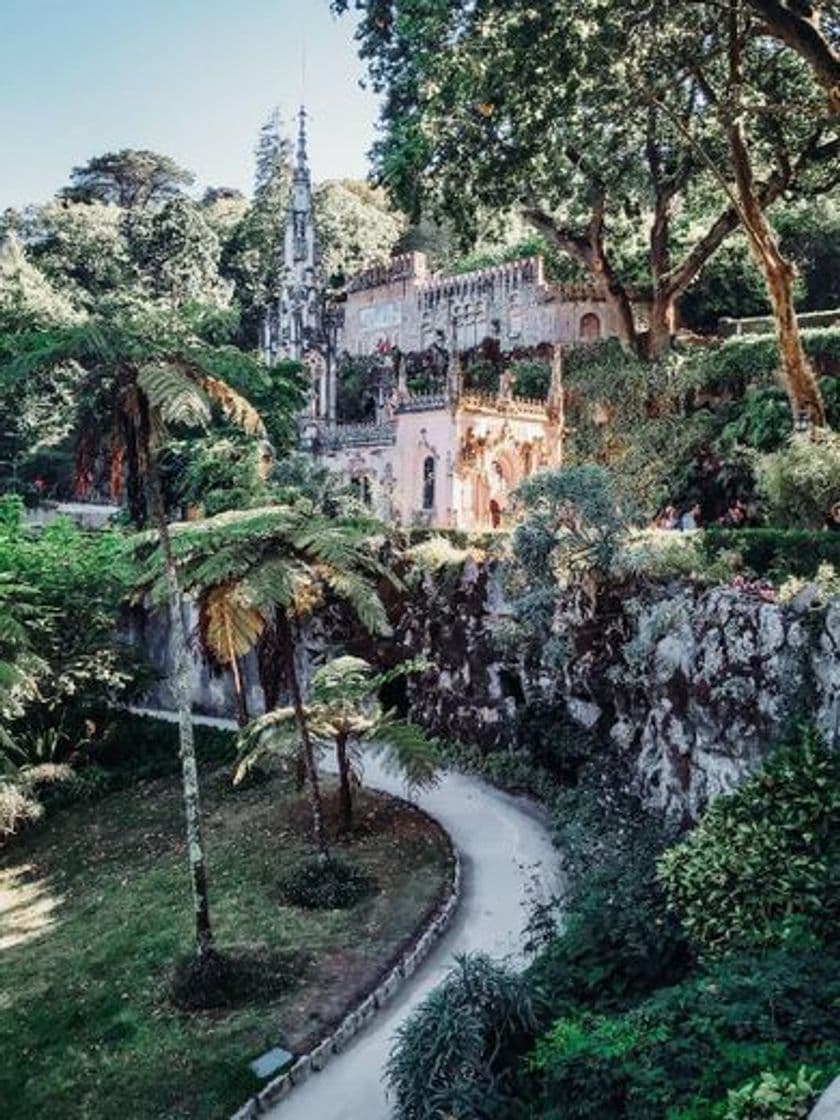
[{"x": 302, "y": 165}]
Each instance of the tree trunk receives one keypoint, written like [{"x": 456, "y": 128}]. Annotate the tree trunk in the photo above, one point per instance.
[
  {"x": 800, "y": 382},
  {"x": 288, "y": 647},
  {"x": 242, "y": 716},
  {"x": 179, "y": 647},
  {"x": 661, "y": 328},
  {"x": 345, "y": 792},
  {"x": 269, "y": 660},
  {"x": 589, "y": 251}
]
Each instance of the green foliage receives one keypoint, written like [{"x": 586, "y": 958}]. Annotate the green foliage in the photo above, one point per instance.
[
  {"x": 730, "y": 285},
  {"x": 297, "y": 476},
  {"x": 180, "y": 254},
  {"x": 356, "y": 227},
  {"x": 446, "y": 1057},
  {"x": 618, "y": 939},
  {"x": 762, "y": 866},
  {"x": 775, "y": 1096},
  {"x": 572, "y": 522},
  {"x": 801, "y": 482},
  {"x": 775, "y": 552},
  {"x": 657, "y": 555},
  {"x": 682, "y": 1048},
  {"x": 531, "y": 378},
  {"x": 753, "y": 361},
  {"x": 325, "y": 884},
  {"x": 62, "y": 619}
]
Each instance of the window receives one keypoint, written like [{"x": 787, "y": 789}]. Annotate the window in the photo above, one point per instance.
[
  {"x": 360, "y": 486},
  {"x": 590, "y": 327},
  {"x": 429, "y": 483}
]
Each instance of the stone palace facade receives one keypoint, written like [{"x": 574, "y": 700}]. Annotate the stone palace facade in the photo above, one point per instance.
[{"x": 442, "y": 455}]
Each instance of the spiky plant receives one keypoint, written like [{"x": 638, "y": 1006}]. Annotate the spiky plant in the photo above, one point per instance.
[
  {"x": 137, "y": 378},
  {"x": 270, "y": 567},
  {"x": 343, "y": 711}
]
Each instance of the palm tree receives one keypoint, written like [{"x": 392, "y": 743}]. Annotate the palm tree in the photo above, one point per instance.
[
  {"x": 343, "y": 710},
  {"x": 270, "y": 567},
  {"x": 136, "y": 378}
]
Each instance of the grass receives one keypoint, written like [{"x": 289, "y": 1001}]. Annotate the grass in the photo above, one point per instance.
[{"x": 95, "y": 910}]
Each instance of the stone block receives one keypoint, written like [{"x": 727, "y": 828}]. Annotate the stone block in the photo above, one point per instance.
[{"x": 301, "y": 1070}]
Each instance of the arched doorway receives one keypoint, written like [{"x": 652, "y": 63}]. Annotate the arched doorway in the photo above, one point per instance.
[{"x": 590, "y": 327}]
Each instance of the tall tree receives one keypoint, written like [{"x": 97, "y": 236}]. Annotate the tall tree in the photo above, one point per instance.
[
  {"x": 356, "y": 227},
  {"x": 180, "y": 255},
  {"x": 131, "y": 178},
  {"x": 779, "y": 273},
  {"x": 252, "y": 253},
  {"x": 142, "y": 376},
  {"x": 585, "y": 117}
]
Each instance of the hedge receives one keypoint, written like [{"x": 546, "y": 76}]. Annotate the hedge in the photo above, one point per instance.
[{"x": 797, "y": 552}]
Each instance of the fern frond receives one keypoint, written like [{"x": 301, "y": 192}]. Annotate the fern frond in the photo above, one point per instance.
[
  {"x": 407, "y": 751},
  {"x": 358, "y": 593},
  {"x": 230, "y": 625},
  {"x": 176, "y": 397},
  {"x": 234, "y": 406}
]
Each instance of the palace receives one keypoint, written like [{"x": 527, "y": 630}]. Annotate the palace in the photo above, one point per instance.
[{"x": 432, "y": 449}]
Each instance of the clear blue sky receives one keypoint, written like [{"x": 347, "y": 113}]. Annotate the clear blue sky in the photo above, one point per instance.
[{"x": 194, "y": 79}]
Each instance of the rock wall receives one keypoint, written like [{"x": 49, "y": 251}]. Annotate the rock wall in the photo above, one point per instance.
[
  {"x": 687, "y": 686},
  {"x": 706, "y": 681}
]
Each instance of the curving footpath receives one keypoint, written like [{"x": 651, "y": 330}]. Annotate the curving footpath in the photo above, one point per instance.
[{"x": 502, "y": 841}]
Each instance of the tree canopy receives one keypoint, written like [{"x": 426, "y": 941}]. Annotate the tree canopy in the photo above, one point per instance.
[
  {"x": 131, "y": 178},
  {"x": 605, "y": 124}
]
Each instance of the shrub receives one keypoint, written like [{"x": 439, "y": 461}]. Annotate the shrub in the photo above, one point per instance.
[
  {"x": 802, "y": 481},
  {"x": 446, "y": 1059},
  {"x": 764, "y": 864},
  {"x": 685, "y": 1046},
  {"x": 224, "y": 979},
  {"x": 619, "y": 940},
  {"x": 752, "y": 360},
  {"x": 331, "y": 884}
]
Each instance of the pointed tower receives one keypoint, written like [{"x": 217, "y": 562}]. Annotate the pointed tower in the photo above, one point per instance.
[{"x": 297, "y": 316}]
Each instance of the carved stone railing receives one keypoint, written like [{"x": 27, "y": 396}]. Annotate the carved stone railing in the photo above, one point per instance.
[
  {"x": 337, "y": 436},
  {"x": 423, "y": 402},
  {"x": 510, "y": 406}
]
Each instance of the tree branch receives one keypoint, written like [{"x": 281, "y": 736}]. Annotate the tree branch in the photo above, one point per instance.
[{"x": 803, "y": 35}]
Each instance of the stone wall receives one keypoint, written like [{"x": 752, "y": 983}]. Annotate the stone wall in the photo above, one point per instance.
[{"x": 406, "y": 305}]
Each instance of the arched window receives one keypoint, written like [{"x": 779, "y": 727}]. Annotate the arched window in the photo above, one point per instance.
[
  {"x": 590, "y": 327},
  {"x": 429, "y": 483}
]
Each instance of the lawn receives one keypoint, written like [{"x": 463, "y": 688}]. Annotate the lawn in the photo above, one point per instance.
[{"x": 95, "y": 909}]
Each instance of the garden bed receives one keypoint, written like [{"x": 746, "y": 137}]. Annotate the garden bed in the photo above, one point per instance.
[{"x": 95, "y": 911}]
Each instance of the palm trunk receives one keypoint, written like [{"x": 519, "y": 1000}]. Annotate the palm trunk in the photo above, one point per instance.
[
  {"x": 189, "y": 768},
  {"x": 315, "y": 800},
  {"x": 345, "y": 793}
]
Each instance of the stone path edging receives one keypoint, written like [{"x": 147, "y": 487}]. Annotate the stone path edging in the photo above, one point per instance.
[{"x": 358, "y": 1019}]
